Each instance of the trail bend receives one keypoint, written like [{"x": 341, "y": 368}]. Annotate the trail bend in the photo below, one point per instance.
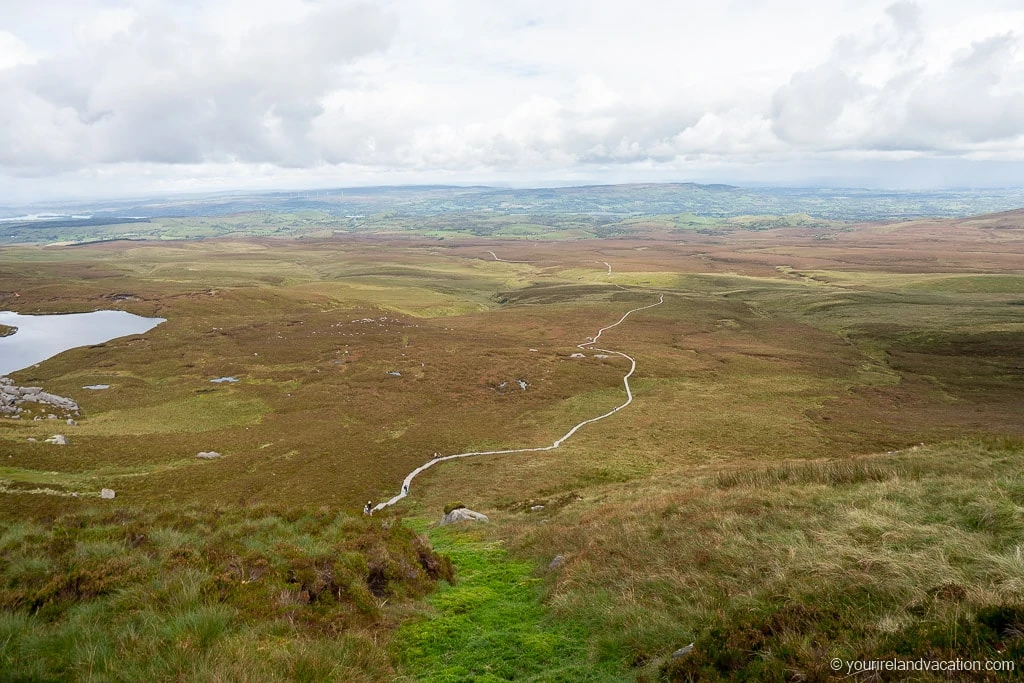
[{"x": 588, "y": 345}]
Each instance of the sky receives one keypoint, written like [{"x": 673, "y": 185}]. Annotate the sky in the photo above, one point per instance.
[{"x": 115, "y": 98}]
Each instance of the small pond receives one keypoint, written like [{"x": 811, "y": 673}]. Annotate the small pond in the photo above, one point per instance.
[{"x": 39, "y": 337}]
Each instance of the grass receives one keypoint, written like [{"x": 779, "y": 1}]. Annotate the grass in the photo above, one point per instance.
[
  {"x": 492, "y": 624},
  {"x": 772, "y": 571},
  {"x": 206, "y": 594},
  {"x": 762, "y": 497}
]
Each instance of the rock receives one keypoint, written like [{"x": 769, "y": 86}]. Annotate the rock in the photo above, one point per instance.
[
  {"x": 12, "y": 396},
  {"x": 107, "y": 494},
  {"x": 72, "y": 423},
  {"x": 32, "y": 439},
  {"x": 682, "y": 651},
  {"x": 556, "y": 562},
  {"x": 58, "y": 440},
  {"x": 207, "y": 455},
  {"x": 462, "y": 515},
  {"x": 536, "y": 508},
  {"x": 577, "y": 355}
]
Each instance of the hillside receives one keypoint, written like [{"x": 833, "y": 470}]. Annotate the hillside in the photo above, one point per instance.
[{"x": 821, "y": 459}]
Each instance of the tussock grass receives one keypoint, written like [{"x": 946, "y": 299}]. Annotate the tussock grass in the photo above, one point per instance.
[
  {"x": 242, "y": 594},
  {"x": 771, "y": 571},
  {"x": 832, "y": 473}
]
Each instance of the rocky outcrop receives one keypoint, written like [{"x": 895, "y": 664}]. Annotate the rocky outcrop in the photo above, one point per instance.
[
  {"x": 207, "y": 455},
  {"x": 58, "y": 440},
  {"x": 462, "y": 515},
  {"x": 14, "y": 398}
]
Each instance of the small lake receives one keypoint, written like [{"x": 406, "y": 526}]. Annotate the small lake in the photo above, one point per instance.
[{"x": 43, "y": 336}]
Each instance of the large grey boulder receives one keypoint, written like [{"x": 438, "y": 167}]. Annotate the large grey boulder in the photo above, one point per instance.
[
  {"x": 462, "y": 515},
  {"x": 107, "y": 494},
  {"x": 58, "y": 440},
  {"x": 207, "y": 455},
  {"x": 11, "y": 398}
]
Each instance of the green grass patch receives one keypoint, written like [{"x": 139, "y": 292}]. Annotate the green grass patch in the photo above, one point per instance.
[
  {"x": 196, "y": 413},
  {"x": 492, "y": 625}
]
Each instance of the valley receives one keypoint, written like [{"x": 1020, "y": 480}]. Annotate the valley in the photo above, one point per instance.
[{"x": 814, "y": 410}]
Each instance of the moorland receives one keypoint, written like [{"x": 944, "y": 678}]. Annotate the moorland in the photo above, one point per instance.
[{"x": 822, "y": 459}]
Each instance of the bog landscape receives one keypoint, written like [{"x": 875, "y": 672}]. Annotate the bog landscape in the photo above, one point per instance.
[{"x": 822, "y": 456}]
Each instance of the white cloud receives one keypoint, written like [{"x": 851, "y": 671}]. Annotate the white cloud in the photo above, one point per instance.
[
  {"x": 458, "y": 89},
  {"x": 14, "y": 51}
]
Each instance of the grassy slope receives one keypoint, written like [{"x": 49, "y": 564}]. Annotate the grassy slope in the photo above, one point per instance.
[
  {"x": 189, "y": 594},
  {"x": 767, "y": 354},
  {"x": 774, "y": 570}
]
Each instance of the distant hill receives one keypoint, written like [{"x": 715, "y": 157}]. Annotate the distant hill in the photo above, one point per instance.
[{"x": 720, "y": 201}]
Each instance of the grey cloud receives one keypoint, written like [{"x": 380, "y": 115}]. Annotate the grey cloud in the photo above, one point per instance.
[
  {"x": 965, "y": 104},
  {"x": 906, "y": 16},
  {"x": 803, "y": 109},
  {"x": 975, "y": 101},
  {"x": 169, "y": 92}
]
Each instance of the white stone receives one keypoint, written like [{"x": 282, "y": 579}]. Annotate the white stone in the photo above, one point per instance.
[{"x": 462, "y": 515}]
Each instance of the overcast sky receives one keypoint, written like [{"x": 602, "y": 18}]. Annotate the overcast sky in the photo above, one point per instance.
[{"x": 109, "y": 97}]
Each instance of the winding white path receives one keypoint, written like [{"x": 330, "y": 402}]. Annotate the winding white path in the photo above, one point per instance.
[
  {"x": 498, "y": 258},
  {"x": 587, "y": 345},
  {"x": 506, "y": 260}
]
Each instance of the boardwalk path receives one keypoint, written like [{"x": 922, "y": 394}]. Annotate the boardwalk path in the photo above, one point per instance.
[{"x": 587, "y": 346}]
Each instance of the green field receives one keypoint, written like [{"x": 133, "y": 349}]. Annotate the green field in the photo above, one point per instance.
[{"x": 822, "y": 459}]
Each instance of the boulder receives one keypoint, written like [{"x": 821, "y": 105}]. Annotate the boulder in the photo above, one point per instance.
[
  {"x": 556, "y": 562},
  {"x": 107, "y": 494},
  {"x": 462, "y": 515},
  {"x": 536, "y": 508},
  {"x": 58, "y": 440},
  {"x": 207, "y": 455}
]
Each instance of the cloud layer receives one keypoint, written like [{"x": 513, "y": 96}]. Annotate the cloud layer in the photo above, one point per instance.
[{"x": 102, "y": 91}]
